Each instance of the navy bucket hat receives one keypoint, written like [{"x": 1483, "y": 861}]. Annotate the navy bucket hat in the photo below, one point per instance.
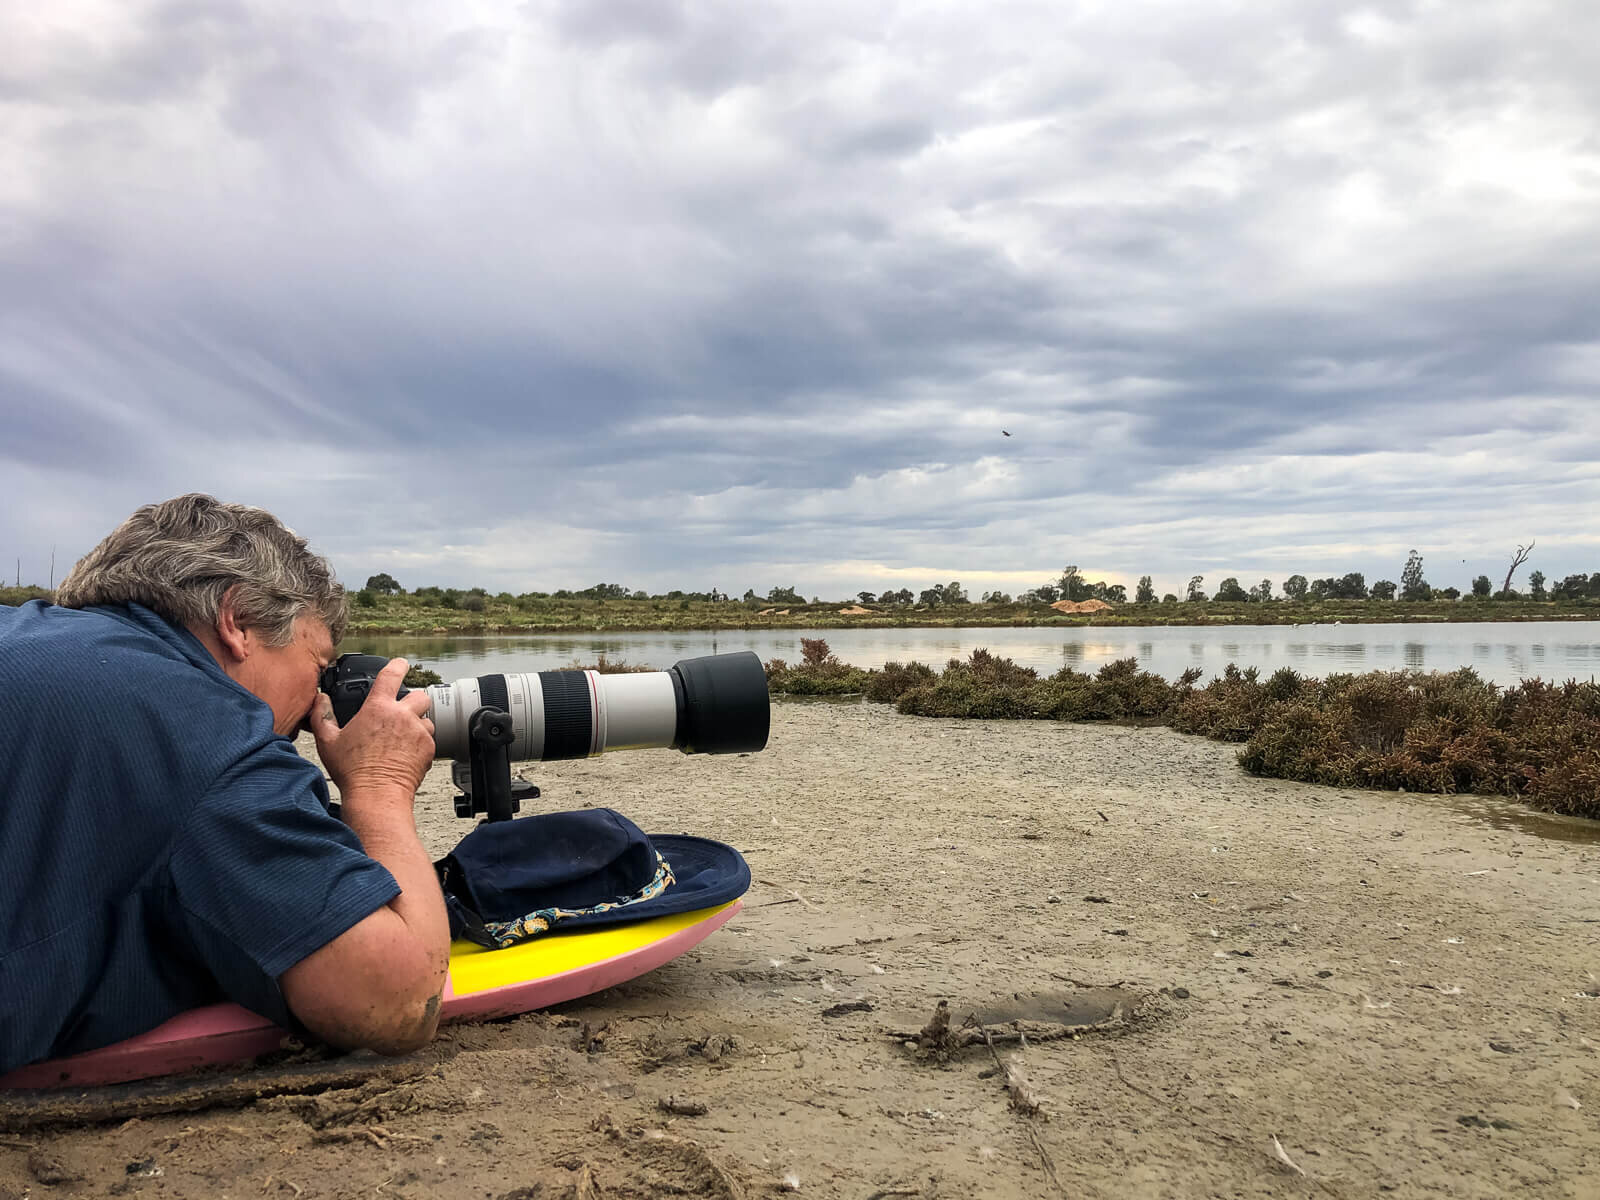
[{"x": 509, "y": 881}]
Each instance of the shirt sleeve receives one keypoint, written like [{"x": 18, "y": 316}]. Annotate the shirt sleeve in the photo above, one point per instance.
[{"x": 263, "y": 876}]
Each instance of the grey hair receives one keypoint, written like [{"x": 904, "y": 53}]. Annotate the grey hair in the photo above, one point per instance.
[{"x": 180, "y": 558}]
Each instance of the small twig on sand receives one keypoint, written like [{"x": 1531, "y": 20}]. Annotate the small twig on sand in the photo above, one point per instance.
[
  {"x": 1282, "y": 1156},
  {"x": 794, "y": 896},
  {"x": 1023, "y": 1098},
  {"x": 375, "y": 1134},
  {"x": 1084, "y": 983},
  {"x": 1277, "y": 1160},
  {"x": 948, "y": 1040},
  {"x": 1024, "y": 1101}
]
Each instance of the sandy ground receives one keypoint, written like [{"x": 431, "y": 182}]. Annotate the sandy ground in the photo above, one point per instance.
[{"x": 1400, "y": 990}]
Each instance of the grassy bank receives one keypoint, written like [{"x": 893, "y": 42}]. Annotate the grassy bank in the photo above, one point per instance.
[
  {"x": 1444, "y": 732},
  {"x": 510, "y": 614}
]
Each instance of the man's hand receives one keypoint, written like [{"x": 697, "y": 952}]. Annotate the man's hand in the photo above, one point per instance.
[
  {"x": 378, "y": 984},
  {"x": 388, "y": 745}
]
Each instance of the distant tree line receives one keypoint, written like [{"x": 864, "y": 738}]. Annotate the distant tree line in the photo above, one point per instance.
[{"x": 1071, "y": 584}]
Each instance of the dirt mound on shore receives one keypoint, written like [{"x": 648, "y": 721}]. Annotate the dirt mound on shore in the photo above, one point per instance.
[{"x": 1081, "y": 606}]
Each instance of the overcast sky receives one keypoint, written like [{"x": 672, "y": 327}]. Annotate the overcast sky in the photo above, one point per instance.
[{"x": 536, "y": 295}]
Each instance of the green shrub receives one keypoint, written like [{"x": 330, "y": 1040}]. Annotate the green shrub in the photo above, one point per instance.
[
  {"x": 1227, "y": 709},
  {"x": 982, "y": 687},
  {"x": 1067, "y": 695},
  {"x": 1125, "y": 692},
  {"x": 1570, "y": 786},
  {"x": 1441, "y": 732},
  {"x": 960, "y": 694},
  {"x": 1300, "y": 742},
  {"x": 1284, "y": 684},
  {"x": 820, "y": 673},
  {"x": 888, "y": 685}
]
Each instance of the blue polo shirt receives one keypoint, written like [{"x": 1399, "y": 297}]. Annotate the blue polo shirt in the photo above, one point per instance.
[{"x": 160, "y": 846}]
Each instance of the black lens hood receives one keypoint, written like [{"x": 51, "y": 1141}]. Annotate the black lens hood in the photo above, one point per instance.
[{"x": 722, "y": 704}]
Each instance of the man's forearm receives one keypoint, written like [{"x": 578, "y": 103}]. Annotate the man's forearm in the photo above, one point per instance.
[{"x": 388, "y": 834}]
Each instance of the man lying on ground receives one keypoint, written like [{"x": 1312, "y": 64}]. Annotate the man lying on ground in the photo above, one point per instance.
[{"x": 162, "y": 844}]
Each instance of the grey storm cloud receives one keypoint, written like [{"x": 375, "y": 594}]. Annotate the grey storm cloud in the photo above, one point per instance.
[{"x": 533, "y": 295}]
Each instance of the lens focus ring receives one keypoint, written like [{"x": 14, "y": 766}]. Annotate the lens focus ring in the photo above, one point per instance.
[{"x": 568, "y": 714}]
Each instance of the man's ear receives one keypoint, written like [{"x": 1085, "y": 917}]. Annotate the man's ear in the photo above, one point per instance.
[{"x": 236, "y": 640}]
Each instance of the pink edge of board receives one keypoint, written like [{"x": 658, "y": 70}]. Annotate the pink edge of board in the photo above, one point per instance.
[{"x": 224, "y": 1033}]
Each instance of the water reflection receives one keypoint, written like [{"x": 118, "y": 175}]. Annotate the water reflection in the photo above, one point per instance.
[
  {"x": 1518, "y": 658},
  {"x": 1503, "y": 654},
  {"x": 1352, "y": 653},
  {"x": 1498, "y": 813}
]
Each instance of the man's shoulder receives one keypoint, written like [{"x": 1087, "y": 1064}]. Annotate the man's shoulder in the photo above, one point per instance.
[
  {"x": 102, "y": 642},
  {"x": 41, "y": 627},
  {"x": 133, "y": 685}
]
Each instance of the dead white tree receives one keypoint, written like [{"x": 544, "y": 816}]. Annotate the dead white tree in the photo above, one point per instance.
[{"x": 1517, "y": 560}]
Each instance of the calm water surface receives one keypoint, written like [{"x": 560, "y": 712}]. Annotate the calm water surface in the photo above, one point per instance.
[{"x": 1503, "y": 652}]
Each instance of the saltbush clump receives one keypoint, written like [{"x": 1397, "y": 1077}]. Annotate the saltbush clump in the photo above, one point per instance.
[
  {"x": 982, "y": 686},
  {"x": 819, "y": 673},
  {"x": 1441, "y": 732},
  {"x": 1119, "y": 691},
  {"x": 1228, "y": 709},
  {"x": 1123, "y": 692},
  {"x": 888, "y": 685},
  {"x": 987, "y": 685}
]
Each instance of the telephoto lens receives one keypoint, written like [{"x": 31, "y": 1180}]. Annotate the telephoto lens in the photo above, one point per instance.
[{"x": 712, "y": 705}]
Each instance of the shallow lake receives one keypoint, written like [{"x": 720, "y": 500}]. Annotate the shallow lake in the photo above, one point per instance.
[{"x": 1500, "y": 651}]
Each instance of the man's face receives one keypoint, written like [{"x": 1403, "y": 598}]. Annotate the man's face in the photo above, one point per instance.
[{"x": 286, "y": 676}]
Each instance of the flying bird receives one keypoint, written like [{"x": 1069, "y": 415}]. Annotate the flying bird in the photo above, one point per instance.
[{"x": 1007, "y": 432}]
